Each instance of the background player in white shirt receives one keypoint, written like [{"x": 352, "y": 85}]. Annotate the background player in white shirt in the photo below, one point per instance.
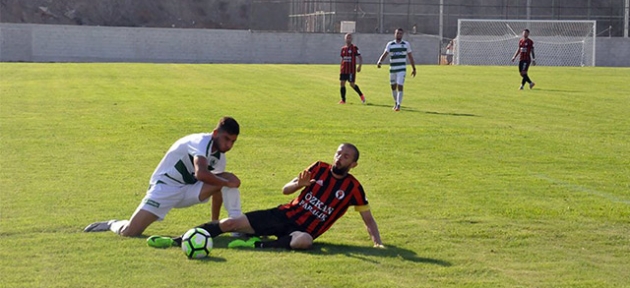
[
  {"x": 399, "y": 50},
  {"x": 192, "y": 170}
]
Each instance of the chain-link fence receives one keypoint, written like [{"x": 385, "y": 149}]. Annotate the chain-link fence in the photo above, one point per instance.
[{"x": 435, "y": 17}]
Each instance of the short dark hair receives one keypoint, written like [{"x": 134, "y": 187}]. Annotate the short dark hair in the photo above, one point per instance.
[
  {"x": 400, "y": 29},
  {"x": 229, "y": 125},
  {"x": 526, "y": 30},
  {"x": 356, "y": 150}
]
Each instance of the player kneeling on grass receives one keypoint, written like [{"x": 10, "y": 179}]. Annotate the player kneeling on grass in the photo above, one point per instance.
[
  {"x": 327, "y": 193},
  {"x": 192, "y": 170}
]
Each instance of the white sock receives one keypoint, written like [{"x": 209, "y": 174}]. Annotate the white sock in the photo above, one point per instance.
[
  {"x": 232, "y": 201},
  {"x": 394, "y": 95},
  {"x": 399, "y": 98},
  {"x": 117, "y": 226}
]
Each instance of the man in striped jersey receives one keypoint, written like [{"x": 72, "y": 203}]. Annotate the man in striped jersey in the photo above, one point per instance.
[
  {"x": 399, "y": 50},
  {"x": 327, "y": 191},
  {"x": 348, "y": 72},
  {"x": 192, "y": 170}
]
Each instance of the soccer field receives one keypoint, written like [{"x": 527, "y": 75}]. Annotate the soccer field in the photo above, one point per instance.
[{"x": 473, "y": 183}]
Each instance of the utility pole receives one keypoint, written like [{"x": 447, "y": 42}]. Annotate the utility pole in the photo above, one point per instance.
[
  {"x": 441, "y": 20},
  {"x": 627, "y": 16},
  {"x": 529, "y": 9},
  {"x": 380, "y": 20}
]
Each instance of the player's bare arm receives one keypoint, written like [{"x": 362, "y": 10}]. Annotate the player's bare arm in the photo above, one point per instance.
[
  {"x": 372, "y": 228},
  {"x": 413, "y": 64},
  {"x": 303, "y": 180},
  {"x": 516, "y": 54},
  {"x": 533, "y": 57},
  {"x": 380, "y": 60},
  {"x": 360, "y": 63},
  {"x": 204, "y": 175}
]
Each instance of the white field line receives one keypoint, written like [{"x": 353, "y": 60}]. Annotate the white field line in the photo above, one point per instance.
[{"x": 582, "y": 189}]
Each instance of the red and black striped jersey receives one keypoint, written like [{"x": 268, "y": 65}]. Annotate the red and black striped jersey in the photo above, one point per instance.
[
  {"x": 349, "y": 59},
  {"x": 525, "y": 47},
  {"x": 323, "y": 202}
]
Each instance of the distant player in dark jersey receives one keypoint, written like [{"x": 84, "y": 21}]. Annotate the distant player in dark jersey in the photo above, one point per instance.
[
  {"x": 525, "y": 52},
  {"x": 349, "y": 69},
  {"x": 327, "y": 191}
]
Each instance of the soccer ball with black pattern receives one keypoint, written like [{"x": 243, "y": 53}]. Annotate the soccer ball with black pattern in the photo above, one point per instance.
[{"x": 197, "y": 243}]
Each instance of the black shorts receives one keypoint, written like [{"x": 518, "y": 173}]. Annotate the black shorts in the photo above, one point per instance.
[
  {"x": 348, "y": 77},
  {"x": 271, "y": 222},
  {"x": 523, "y": 66}
]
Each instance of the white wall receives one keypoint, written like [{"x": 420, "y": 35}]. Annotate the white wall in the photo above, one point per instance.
[
  {"x": 613, "y": 52},
  {"x": 60, "y": 43}
]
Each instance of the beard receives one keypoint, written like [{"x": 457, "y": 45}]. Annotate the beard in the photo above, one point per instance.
[
  {"x": 217, "y": 146},
  {"x": 340, "y": 170}
]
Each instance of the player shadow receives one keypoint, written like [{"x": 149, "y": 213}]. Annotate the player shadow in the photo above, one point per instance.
[
  {"x": 450, "y": 114},
  {"x": 360, "y": 252},
  {"x": 555, "y": 90},
  {"x": 409, "y": 109}
]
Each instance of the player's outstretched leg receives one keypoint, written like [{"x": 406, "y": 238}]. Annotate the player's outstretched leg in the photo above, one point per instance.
[
  {"x": 99, "y": 226},
  {"x": 296, "y": 240},
  {"x": 239, "y": 243},
  {"x": 157, "y": 241}
]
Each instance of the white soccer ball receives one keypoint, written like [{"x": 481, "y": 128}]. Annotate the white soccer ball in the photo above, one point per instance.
[{"x": 196, "y": 243}]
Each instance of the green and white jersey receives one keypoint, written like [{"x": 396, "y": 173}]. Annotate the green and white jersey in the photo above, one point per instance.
[
  {"x": 177, "y": 166},
  {"x": 398, "y": 55}
]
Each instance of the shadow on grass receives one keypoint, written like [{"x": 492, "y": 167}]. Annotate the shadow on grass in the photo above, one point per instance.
[
  {"x": 408, "y": 109},
  {"x": 359, "y": 252},
  {"x": 211, "y": 258},
  {"x": 555, "y": 90},
  {"x": 325, "y": 248},
  {"x": 450, "y": 114}
]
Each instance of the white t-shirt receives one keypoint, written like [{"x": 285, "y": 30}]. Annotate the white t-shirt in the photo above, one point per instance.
[{"x": 177, "y": 166}]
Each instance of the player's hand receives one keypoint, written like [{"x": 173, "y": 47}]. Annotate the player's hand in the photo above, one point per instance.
[
  {"x": 513, "y": 59},
  {"x": 304, "y": 179},
  {"x": 233, "y": 183},
  {"x": 378, "y": 65},
  {"x": 359, "y": 69},
  {"x": 533, "y": 62},
  {"x": 413, "y": 73},
  {"x": 232, "y": 180}
]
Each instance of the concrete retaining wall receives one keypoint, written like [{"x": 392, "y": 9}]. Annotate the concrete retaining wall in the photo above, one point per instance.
[
  {"x": 60, "y": 43},
  {"x": 613, "y": 52}
]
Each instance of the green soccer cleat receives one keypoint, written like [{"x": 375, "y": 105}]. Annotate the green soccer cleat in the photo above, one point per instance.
[
  {"x": 156, "y": 241},
  {"x": 250, "y": 243}
]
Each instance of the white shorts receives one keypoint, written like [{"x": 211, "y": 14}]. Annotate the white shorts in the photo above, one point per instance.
[
  {"x": 397, "y": 78},
  {"x": 161, "y": 198}
]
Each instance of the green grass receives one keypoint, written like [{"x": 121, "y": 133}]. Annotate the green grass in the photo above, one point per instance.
[{"x": 473, "y": 183}]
